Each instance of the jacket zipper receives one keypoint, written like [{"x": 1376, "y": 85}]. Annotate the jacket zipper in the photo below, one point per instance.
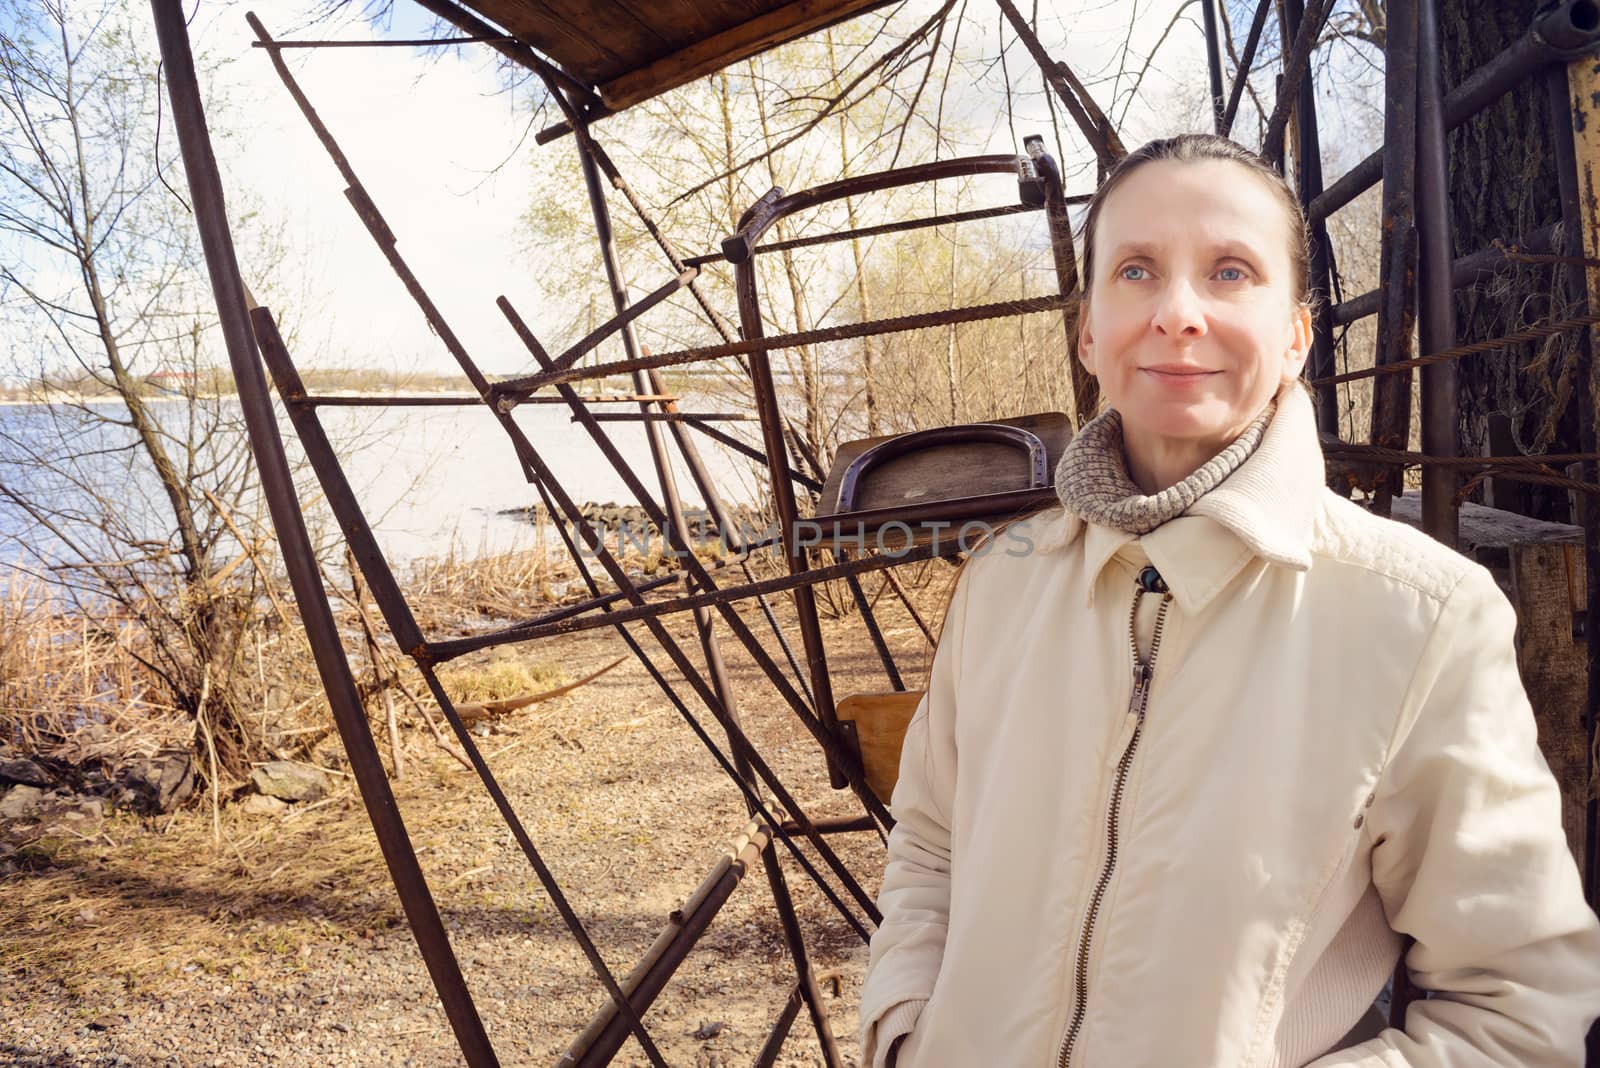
[{"x": 1149, "y": 581}]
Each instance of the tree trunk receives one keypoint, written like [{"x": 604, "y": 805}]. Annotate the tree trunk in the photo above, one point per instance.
[{"x": 1503, "y": 185}]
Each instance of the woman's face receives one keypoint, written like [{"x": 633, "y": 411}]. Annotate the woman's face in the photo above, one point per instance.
[{"x": 1192, "y": 322}]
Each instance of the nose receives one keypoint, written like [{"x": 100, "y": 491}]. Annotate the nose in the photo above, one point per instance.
[{"x": 1179, "y": 312}]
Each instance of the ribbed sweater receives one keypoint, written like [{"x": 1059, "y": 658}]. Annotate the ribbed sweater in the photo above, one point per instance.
[{"x": 1092, "y": 477}]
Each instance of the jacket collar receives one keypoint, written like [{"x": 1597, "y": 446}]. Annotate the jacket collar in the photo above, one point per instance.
[{"x": 1265, "y": 509}]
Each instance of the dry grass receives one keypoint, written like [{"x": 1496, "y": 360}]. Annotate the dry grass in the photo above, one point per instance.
[
  {"x": 138, "y": 903},
  {"x": 497, "y": 676},
  {"x": 128, "y": 896},
  {"x": 448, "y": 590},
  {"x": 157, "y": 920},
  {"x": 72, "y": 689}
]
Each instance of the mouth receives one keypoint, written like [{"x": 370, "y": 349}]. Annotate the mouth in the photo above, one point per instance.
[{"x": 1176, "y": 371}]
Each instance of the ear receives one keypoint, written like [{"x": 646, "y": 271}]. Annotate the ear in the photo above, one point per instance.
[
  {"x": 1294, "y": 357},
  {"x": 1085, "y": 339}
]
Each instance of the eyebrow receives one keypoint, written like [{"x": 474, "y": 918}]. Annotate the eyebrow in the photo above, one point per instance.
[{"x": 1221, "y": 249}]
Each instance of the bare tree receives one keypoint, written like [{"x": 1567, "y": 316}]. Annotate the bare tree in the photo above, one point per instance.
[{"x": 128, "y": 484}]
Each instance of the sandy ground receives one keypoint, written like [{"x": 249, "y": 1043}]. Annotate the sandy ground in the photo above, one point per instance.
[{"x": 280, "y": 941}]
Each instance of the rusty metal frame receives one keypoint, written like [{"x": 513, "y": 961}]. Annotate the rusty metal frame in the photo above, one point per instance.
[{"x": 1419, "y": 280}]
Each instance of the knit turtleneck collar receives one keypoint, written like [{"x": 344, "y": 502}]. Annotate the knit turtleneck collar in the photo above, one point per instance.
[{"x": 1092, "y": 477}]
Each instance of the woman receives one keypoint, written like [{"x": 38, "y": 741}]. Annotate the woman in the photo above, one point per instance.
[{"x": 1188, "y": 772}]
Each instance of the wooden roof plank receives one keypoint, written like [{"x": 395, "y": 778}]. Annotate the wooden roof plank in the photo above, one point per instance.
[
  {"x": 585, "y": 55},
  {"x": 730, "y": 46},
  {"x": 683, "y": 21},
  {"x": 619, "y": 29}
]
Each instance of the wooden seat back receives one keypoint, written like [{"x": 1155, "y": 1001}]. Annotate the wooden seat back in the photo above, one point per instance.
[{"x": 880, "y": 721}]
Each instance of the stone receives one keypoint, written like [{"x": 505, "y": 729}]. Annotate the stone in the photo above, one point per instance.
[
  {"x": 262, "y": 805},
  {"x": 157, "y": 784},
  {"x": 71, "y": 814},
  {"x": 21, "y": 803},
  {"x": 24, "y": 772},
  {"x": 91, "y": 808},
  {"x": 290, "y": 782}
]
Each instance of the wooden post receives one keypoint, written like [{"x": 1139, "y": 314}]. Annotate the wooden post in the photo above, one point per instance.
[
  {"x": 1549, "y": 590},
  {"x": 1541, "y": 567},
  {"x": 1583, "y": 85}
]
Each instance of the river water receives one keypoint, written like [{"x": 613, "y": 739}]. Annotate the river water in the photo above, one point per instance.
[{"x": 432, "y": 481}]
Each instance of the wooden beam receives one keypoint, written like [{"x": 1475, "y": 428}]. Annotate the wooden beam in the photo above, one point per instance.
[
  {"x": 1549, "y": 590},
  {"x": 730, "y": 46}
]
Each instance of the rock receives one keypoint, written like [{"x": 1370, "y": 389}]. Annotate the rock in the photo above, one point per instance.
[
  {"x": 262, "y": 805},
  {"x": 21, "y": 803},
  {"x": 24, "y": 772},
  {"x": 709, "y": 1029},
  {"x": 160, "y": 783},
  {"x": 71, "y": 813},
  {"x": 290, "y": 782},
  {"x": 86, "y": 809},
  {"x": 105, "y": 1023}
]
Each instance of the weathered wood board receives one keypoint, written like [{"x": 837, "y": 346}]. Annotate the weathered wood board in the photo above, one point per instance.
[
  {"x": 1540, "y": 566},
  {"x": 881, "y": 720}
]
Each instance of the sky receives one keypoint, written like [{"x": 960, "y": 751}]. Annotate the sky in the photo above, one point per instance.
[
  {"x": 446, "y": 156},
  {"x": 441, "y": 151}
]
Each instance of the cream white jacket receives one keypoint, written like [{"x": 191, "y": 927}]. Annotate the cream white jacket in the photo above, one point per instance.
[{"x": 1335, "y": 751}]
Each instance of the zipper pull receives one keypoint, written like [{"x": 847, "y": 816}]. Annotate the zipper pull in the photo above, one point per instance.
[
  {"x": 1150, "y": 580},
  {"x": 1142, "y": 673}
]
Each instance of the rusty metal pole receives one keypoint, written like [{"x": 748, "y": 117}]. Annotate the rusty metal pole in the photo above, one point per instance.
[
  {"x": 766, "y": 396},
  {"x": 1436, "y": 321},
  {"x": 1208, "y": 9},
  {"x": 670, "y": 501},
  {"x": 1085, "y": 386},
  {"x": 1391, "y": 394},
  {"x": 277, "y": 484},
  {"x": 1247, "y": 60},
  {"x": 1308, "y": 183}
]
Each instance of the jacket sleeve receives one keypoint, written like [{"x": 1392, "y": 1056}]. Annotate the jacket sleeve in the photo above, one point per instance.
[
  {"x": 908, "y": 946},
  {"x": 1471, "y": 861}
]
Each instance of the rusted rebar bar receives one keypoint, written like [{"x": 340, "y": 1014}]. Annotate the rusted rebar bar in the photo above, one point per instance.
[
  {"x": 903, "y": 226},
  {"x": 443, "y": 400},
  {"x": 1465, "y": 272},
  {"x": 749, "y": 346},
  {"x": 1516, "y": 337}
]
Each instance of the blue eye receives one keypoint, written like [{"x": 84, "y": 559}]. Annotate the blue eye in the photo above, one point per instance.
[
  {"x": 1127, "y": 272},
  {"x": 1231, "y": 274}
]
